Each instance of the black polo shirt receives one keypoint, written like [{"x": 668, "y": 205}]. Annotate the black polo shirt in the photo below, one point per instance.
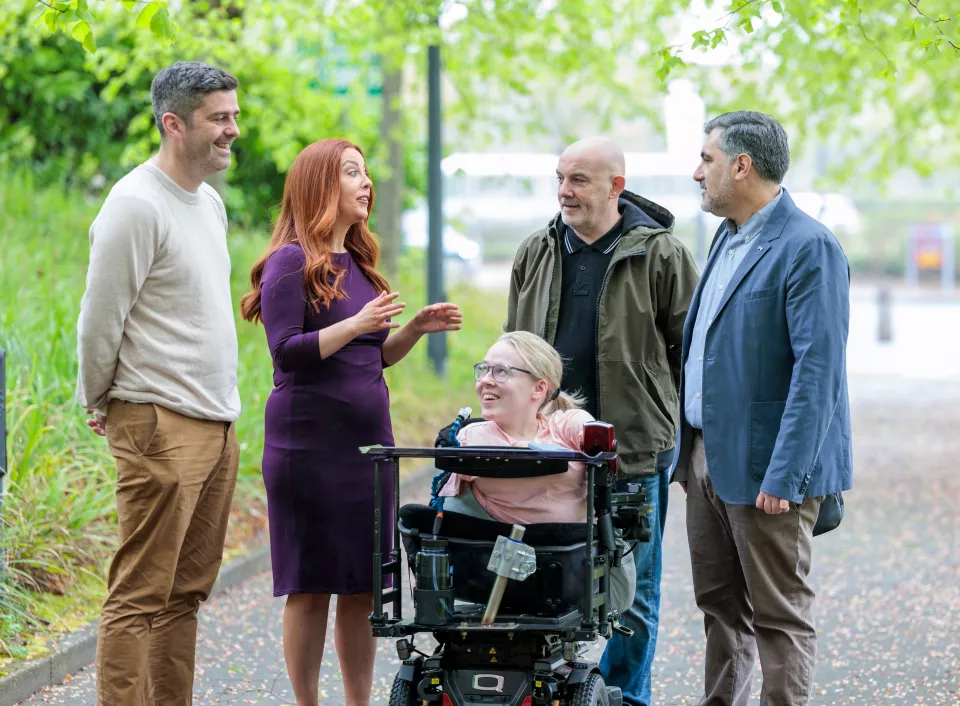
[{"x": 584, "y": 268}]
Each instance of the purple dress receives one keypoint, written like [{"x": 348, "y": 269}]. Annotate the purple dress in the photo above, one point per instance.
[{"x": 319, "y": 486}]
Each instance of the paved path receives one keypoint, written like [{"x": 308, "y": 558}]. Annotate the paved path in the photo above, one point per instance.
[{"x": 888, "y": 580}]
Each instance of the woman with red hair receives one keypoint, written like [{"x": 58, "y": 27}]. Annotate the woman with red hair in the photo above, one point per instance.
[{"x": 327, "y": 314}]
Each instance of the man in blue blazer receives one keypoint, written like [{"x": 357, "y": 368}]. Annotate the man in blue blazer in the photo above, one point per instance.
[{"x": 765, "y": 418}]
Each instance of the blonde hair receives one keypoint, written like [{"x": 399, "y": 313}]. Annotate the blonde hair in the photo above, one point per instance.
[{"x": 541, "y": 359}]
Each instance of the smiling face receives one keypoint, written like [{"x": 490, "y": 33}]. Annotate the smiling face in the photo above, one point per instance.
[
  {"x": 210, "y": 132},
  {"x": 715, "y": 176},
  {"x": 356, "y": 188},
  {"x": 515, "y": 402}
]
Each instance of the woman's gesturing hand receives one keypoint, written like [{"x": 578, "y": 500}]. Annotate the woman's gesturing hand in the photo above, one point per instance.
[
  {"x": 374, "y": 315},
  {"x": 434, "y": 318}
]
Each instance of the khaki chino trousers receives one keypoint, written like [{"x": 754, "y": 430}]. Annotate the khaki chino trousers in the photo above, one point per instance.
[
  {"x": 750, "y": 580},
  {"x": 175, "y": 481}
]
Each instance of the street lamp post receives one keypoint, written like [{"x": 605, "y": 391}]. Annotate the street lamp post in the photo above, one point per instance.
[
  {"x": 3, "y": 436},
  {"x": 437, "y": 342},
  {"x": 3, "y": 418}
]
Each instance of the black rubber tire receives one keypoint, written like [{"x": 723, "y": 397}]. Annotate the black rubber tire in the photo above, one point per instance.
[
  {"x": 591, "y": 692},
  {"x": 403, "y": 693}
]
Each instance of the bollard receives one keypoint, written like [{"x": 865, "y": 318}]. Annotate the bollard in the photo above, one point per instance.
[{"x": 885, "y": 327}]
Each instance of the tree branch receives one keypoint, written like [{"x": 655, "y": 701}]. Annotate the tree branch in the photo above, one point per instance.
[
  {"x": 936, "y": 23},
  {"x": 738, "y": 10},
  {"x": 872, "y": 43}
]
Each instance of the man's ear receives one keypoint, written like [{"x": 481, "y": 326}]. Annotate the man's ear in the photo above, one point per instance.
[
  {"x": 619, "y": 184},
  {"x": 742, "y": 167},
  {"x": 173, "y": 124}
]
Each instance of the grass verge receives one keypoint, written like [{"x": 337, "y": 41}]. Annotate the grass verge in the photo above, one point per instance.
[{"x": 58, "y": 520}]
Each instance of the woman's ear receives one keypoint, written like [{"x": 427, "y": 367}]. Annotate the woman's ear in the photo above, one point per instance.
[{"x": 542, "y": 388}]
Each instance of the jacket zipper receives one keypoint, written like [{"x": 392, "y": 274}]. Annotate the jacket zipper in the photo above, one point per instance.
[
  {"x": 553, "y": 275},
  {"x": 596, "y": 333}
]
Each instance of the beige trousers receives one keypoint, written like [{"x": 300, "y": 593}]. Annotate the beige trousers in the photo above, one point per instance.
[
  {"x": 175, "y": 482},
  {"x": 750, "y": 579}
]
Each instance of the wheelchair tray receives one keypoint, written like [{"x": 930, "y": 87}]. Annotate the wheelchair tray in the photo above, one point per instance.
[{"x": 492, "y": 461}]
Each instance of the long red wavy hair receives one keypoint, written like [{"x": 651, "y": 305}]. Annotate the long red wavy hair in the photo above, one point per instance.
[{"x": 309, "y": 211}]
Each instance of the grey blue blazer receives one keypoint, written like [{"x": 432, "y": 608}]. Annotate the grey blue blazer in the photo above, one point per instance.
[{"x": 776, "y": 412}]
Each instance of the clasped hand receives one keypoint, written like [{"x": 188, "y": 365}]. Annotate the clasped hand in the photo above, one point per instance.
[
  {"x": 770, "y": 504},
  {"x": 98, "y": 424}
]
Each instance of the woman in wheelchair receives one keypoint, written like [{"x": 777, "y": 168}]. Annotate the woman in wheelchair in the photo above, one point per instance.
[{"x": 518, "y": 383}]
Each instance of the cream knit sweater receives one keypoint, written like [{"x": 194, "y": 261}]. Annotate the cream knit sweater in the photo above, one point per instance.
[{"x": 156, "y": 321}]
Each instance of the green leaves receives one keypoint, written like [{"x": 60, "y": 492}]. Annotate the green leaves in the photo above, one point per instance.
[
  {"x": 146, "y": 15},
  {"x": 84, "y": 34},
  {"x": 668, "y": 62},
  {"x": 73, "y": 18},
  {"x": 826, "y": 66},
  {"x": 709, "y": 39}
]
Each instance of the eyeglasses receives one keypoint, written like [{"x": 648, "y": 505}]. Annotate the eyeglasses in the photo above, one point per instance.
[{"x": 499, "y": 371}]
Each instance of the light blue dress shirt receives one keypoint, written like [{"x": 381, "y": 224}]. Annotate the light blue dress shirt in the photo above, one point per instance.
[{"x": 736, "y": 245}]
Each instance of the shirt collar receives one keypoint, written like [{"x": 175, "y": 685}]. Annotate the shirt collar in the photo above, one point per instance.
[
  {"x": 605, "y": 244},
  {"x": 752, "y": 227}
]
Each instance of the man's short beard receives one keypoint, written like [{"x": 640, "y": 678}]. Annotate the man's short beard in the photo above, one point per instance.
[{"x": 720, "y": 201}]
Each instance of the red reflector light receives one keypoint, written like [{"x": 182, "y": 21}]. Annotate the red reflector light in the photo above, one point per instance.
[{"x": 447, "y": 701}]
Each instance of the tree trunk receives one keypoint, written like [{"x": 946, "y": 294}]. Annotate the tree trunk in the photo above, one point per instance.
[{"x": 390, "y": 189}]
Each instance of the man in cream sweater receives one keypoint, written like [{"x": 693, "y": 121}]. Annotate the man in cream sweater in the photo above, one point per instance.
[{"x": 157, "y": 350}]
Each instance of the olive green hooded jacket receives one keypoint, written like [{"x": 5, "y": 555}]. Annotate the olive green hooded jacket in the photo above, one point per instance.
[{"x": 640, "y": 314}]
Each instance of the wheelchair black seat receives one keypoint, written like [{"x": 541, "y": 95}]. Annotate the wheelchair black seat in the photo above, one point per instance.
[{"x": 556, "y": 588}]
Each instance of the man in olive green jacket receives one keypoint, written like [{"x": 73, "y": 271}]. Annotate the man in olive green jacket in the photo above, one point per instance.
[{"x": 608, "y": 285}]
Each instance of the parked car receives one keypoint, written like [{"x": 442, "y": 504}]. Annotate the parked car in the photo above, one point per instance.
[{"x": 457, "y": 246}]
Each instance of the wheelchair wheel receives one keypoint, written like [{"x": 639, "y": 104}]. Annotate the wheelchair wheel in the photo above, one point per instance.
[
  {"x": 592, "y": 692},
  {"x": 403, "y": 693}
]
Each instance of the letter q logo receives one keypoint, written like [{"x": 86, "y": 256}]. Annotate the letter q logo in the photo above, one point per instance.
[{"x": 488, "y": 682}]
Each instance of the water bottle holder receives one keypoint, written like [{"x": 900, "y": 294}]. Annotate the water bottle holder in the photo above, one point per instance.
[{"x": 433, "y": 607}]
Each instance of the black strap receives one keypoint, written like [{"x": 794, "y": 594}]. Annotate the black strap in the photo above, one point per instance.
[{"x": 443, "y": 438}]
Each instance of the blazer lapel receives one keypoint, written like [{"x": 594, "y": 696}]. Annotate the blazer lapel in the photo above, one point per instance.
[{"x": 763, "y": 244}]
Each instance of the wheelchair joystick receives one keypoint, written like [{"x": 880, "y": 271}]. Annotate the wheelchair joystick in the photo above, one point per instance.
[{"x": 462, "y": 416}]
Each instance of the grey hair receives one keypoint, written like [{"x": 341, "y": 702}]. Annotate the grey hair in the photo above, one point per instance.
[
  {"x": 755, "y": 134},
  {"x": 180, "y": 89}
]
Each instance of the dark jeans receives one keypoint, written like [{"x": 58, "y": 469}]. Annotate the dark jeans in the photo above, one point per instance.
[{"x": 627, "y": 661}]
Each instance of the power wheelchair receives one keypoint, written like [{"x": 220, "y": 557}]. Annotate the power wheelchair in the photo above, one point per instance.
[{"x": 509, "y": 617}]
